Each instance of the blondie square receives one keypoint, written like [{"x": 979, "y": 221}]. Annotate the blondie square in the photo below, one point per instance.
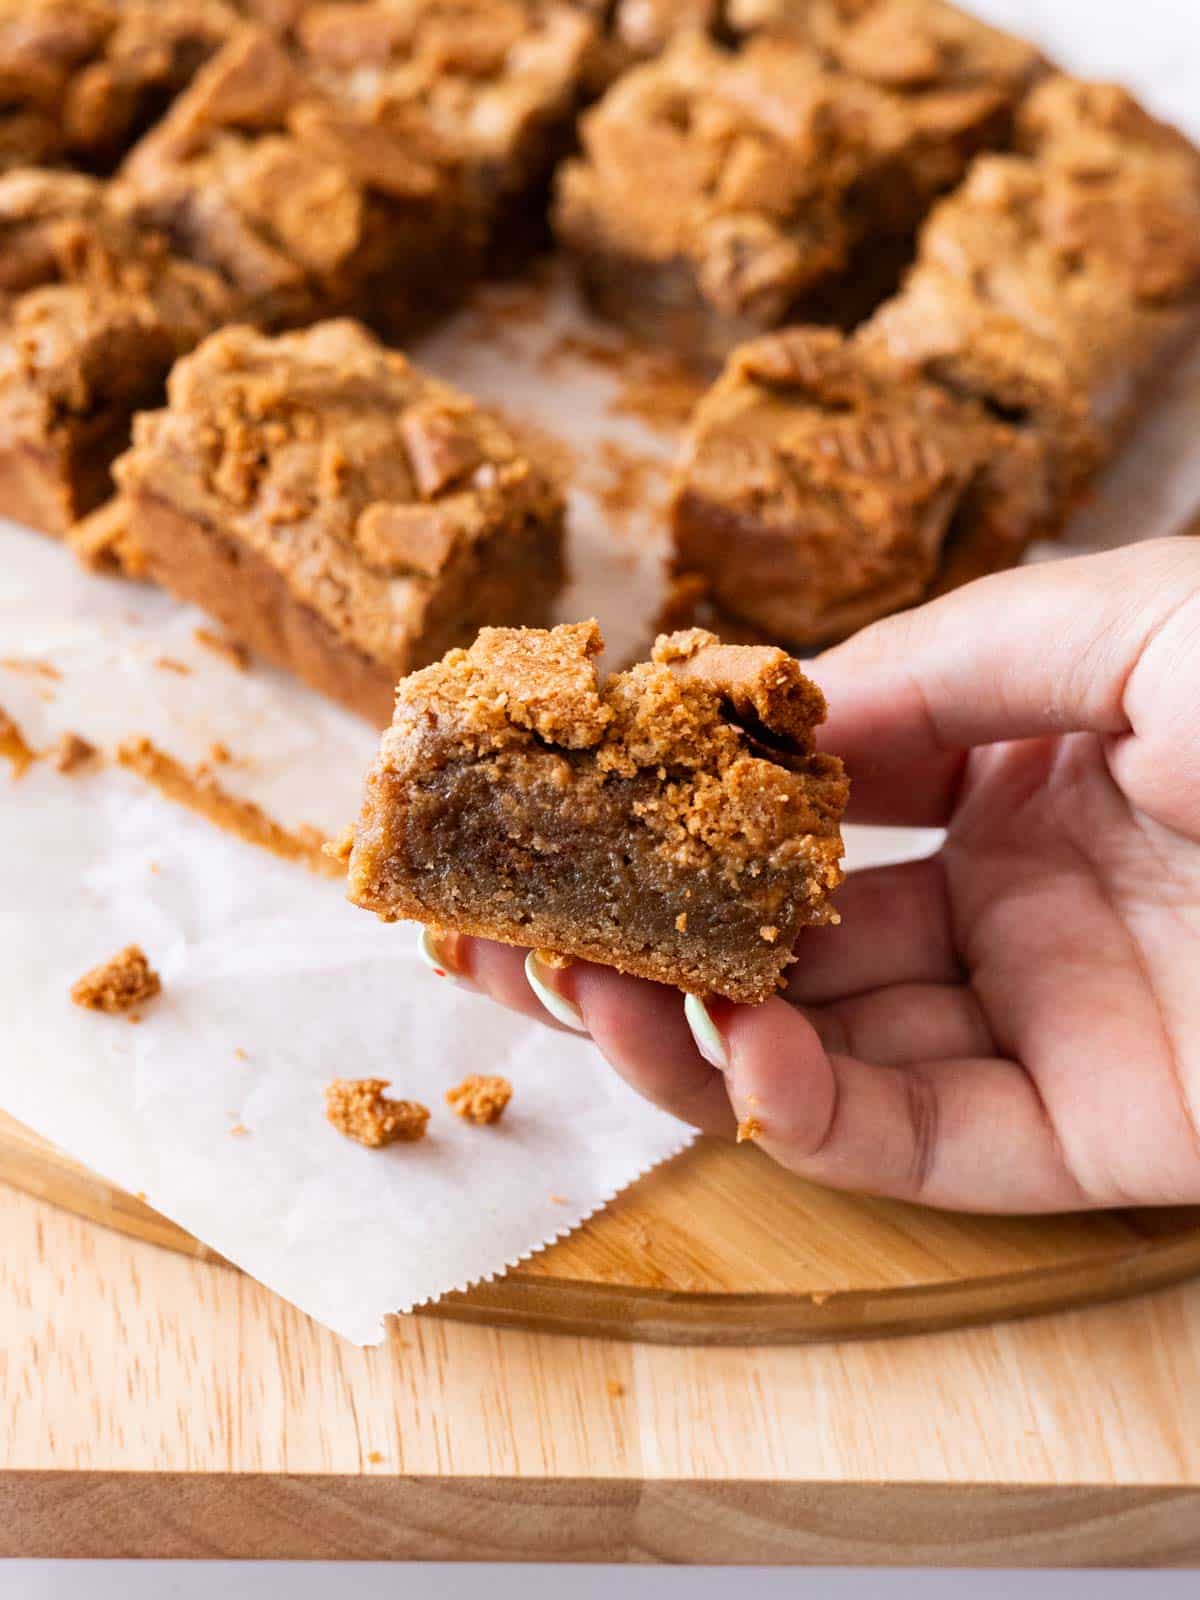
[
  {"x": 718, "y": 192},
  {"x": 721, "y": 191},
  {"x": 94, "y": 309},
  {"x": 370, "y": 163},
  {"x": 1055, "y": 284},
  {"x": 673, "y": 821},
  {"x": 80, "y": 80},
  {"x": 337, "y": 510},
  {"x": 819, "y": 489}
]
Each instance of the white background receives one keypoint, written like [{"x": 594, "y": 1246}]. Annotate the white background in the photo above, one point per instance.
[{"x": 1154, "y": 45}]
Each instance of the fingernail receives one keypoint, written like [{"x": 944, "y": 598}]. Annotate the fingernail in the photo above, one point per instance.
[
  {"x": 710, "y": 1041},
  {"x": 431, "y": 948},
  {"x": 559, "y": 1007}
]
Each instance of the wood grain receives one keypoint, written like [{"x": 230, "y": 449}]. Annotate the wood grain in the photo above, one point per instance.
[
  {"x": 158, "y": 1405},
  {"x": 720, "y": 1246}
]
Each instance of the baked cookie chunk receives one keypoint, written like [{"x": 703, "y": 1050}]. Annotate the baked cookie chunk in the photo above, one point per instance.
[
  {"x": 673, "y": 821},
  {"x": 820, "y": 488},
  {"x": 337, "y": 510}
]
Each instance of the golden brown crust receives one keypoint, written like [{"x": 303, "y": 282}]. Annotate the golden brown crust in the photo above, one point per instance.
[
  {"x": 358, "y": 1108},
  {"x": 118, "y": 984}
]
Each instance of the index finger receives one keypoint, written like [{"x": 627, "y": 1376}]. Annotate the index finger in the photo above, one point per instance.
[{"x": 1041, "y": 650}]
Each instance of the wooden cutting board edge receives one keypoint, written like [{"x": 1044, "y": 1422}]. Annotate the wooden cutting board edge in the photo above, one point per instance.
[{"x": 535, "y": 1299}]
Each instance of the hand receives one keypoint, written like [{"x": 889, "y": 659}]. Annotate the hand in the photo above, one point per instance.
[{"x": 1014, "y": 1024}]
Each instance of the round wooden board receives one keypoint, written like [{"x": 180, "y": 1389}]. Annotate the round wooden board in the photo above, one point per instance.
[{"x": 719, "y": 1246}]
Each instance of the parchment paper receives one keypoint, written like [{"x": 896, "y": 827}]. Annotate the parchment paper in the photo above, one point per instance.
[{"x": 211, "y": 1107}]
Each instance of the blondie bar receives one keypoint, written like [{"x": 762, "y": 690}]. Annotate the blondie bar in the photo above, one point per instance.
[
  {"x": 1053, "y": 285},
  {"x": 94, "y": 308},
  {"x": 722, "y": 191},
  {"x": 370, "y": 163},
  {"x": 819, "y": 489},
  {"x": 673, "y": 821},
  {"x": 80, "y": 80},
  {"x": 337, "y": 510}
]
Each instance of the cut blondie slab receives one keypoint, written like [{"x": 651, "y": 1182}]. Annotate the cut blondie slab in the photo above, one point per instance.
[
  {"x": 674, "y": 822},
  {"x": 94, "y": 309},
  {"x": 722, "y": 191},
  {"x": 336, "y": 509},
  {"x": 80, "y": 80},
  {"x": 1054, "y": 285},
  {"x": 369, "y": 163},
  {"x": 717, "y": 192},
  {"x": 820, "y": 488}
]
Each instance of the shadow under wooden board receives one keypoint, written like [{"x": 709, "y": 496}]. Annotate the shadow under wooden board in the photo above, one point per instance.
[{"x": 719, "y": 1246}]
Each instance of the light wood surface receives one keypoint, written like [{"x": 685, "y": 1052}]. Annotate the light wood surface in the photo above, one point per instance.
[
  {"x": 161, "y": 1406},
  {"x": 720, "y": 1246}
]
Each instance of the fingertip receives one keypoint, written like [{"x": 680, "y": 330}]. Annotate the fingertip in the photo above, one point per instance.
[{"x": 779, "y": 1075}]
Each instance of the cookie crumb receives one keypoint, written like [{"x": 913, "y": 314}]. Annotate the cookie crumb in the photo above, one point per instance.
[
  {"x": 552, "y": 959},
  {"x": 236, "y": 654},
  {"x": 480, "y": 1099},
  {"x": 770, "y": 933},
  {"x": 219, "y": 753},
  {"x": 13, "y": 746},
  {"x": 72, "y": 752},
  {"x": 239, "y": 1054},
  {"x": 238, "y": 1129},
  {"x": 201, "y": 793},
  {"x": 118, "y": 984},
  {"x": 339, "y": 849},
  {"x": 374, "y": 1457},
  {"x": 103, "y": 542},
  {"x": 615, "y": 1388},
  {"x": 681, "y": 922},
  {"x": 169, "y": 664},
  {"x": 558, "y": 1199},
  {"x": 358, "y": 1108},
  {"x": 750, "y": 1128}
]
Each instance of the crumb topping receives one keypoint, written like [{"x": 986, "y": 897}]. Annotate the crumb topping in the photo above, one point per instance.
[
  {"x": 118, "y": 984},
  {"x": 358, "y": 1108},
  {"x": 479, "y": 1098},
  {"x": 748, "y": 1129},
  {"x": 726, "y": 731}
]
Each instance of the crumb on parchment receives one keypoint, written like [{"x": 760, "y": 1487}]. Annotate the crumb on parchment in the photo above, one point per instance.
[
  {"x": 749, "y": 1128},
  {"x": 359, "y": 1108},
  {"x": 615, "y": 1388},
  {"x": 479, "y": 1098},
  {"x": 118, "y": 984},
  {"x": 13, "y": 747},
  {"x": 72, "y": 752},
  {"x": 236, "y": 654}
]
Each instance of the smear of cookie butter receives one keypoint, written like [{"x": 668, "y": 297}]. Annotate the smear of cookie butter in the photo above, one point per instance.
[{"x": 200, "y": 792}]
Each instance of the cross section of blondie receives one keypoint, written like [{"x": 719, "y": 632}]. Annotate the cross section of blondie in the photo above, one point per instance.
[{"x": 674, "y": 821}]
